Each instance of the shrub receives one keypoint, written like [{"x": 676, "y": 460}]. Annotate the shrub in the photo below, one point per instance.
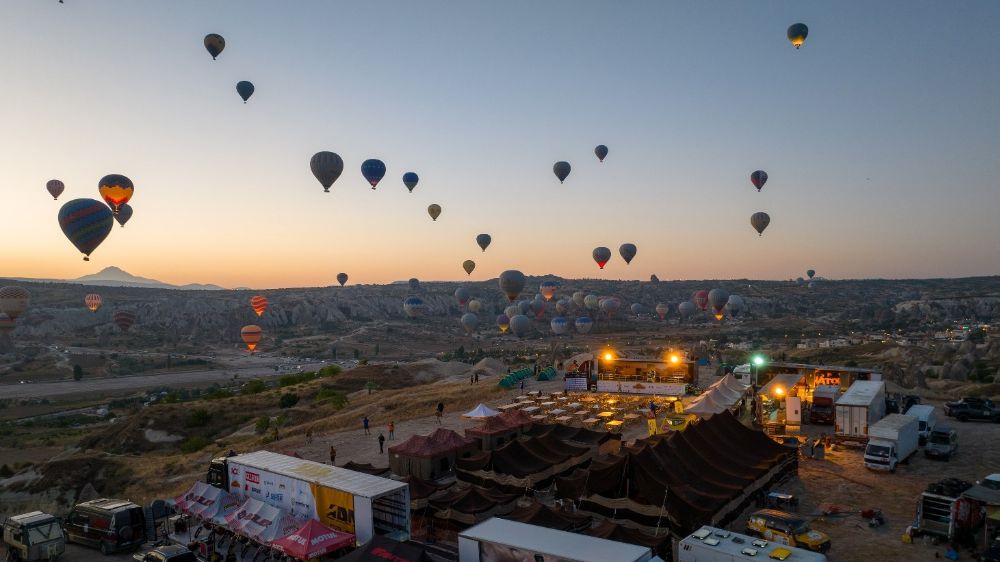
[
  {"x": 77, "y": 372},
  {"x": 255, "y": 386},
  {"x": 262, "y": 425},
  {"x": 194, "y": 444},
  {"x": 288, "y": 400},
  {"x": 332, "y": 396},
  {"x": 296, "y": 378},
  {"x": 198, "y": 418},
  {"x": 6, "y": 471},
  {"x": 330, "y": 371}
]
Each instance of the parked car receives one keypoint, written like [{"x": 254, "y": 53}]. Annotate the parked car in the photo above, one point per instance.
[
  {"x": 942, "y": 444},
  {"x": 110, "y": 525},
  {"x": 786, "y": 528},
  {"x": 973, "y": 409},
  {"x": 33, "y": 537},
  {"x": 167, "y": 553},
  {"x": 992, "y": 482}
]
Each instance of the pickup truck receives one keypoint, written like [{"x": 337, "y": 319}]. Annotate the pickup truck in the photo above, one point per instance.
[{"x": 973, "y": 409}]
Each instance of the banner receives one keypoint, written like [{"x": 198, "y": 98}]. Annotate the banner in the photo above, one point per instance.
[
  {"x": 292, "y": 495},
  {"x": 636, "y": 387},
  {"x": 335, "y": 508},
  {"x": 576, "y": 383},
  {"x": 491, "y": 552},
  {"x": 651, "y": 426}
]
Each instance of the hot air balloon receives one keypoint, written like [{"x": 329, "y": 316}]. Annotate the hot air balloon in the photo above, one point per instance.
[
  {"x": 251, "y": 336},
  {"x": 561, "y": 170},
  {"x": 758, "y": 179},
  {"x": 759, "y": 221},
  {"x": 116, "y": 190},
  {"x": 583, "y": 324},
  {"x": 810, "y": 273},
  {"x": 511, "y": 311},
  {"x": 14, "y": 301},
  {"x": 373, "y": 170},
  {"x": 686, "y": 308},
  {"x": 7, "y": 324},
  {"x": 434, "y": 210},
  {"x": 627, "y": 252},
  {"x": 610, "y": 306},
  {"x": 93, "y": 301},
  {"x": 735, "y": 305},
  {"x": 414, "y": 284},
  {"x": 548, "y": 289},
  {"x": 538, "y": 306},
  {"x": 86, "y": 223},
  {"x": 414, "y": 306},
  {"x": 245, "y": 89},
  {"x": 475, "y": 305},
  {"x": 700, "y": 298},
  {"x": 601, "y": 152},
  {"x": 523, "y": 307},
  {"x": 662, "y": 310},
  {"x": 469, "y": 266},
  {"x": 55, "y": 188},
  {"x": 484, "y": 240},
  {"x": 410, "y": 180},
  {"x": 503, "y": 322},
  {"x": 578, "y": 299},
  {"x": 258, "y": 304},
  {"x": 461, "y": 296},
  {"x": 797, "y": 33},
  {"x": 562, "y": 306},
  {"x": 591, "y": 302},
  {"x": 124, "y": 214},
  {"x": 520, "y": 325},
  {"x": 559, "y": 325},
  {"x": 327, "y": 167},
  {"x": 123, "y": 319},
  {"x": 511, "y": 283},
  {"x": 469, "y": 322},
  {"x": 601, "y": 256},
  {"x": 342, "y": 279},
  {"x": 718, "y": 298},
  {"x": 635, "y": 309},
  {"x": 214, "y": 44}
]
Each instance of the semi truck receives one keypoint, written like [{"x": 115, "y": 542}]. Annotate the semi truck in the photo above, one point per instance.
[
  {"x": 710, "y": 544},
  {"x": 891, "y": 441},
  {"x": 823, "y": 400},
  {"x": 859, "y": 408},
  {"x": 346, "y": 500}
]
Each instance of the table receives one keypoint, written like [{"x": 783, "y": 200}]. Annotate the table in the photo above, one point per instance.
[
  {"x": 538, "y": 418},
  {"x": 591, "y": 421},
  {"x": 557, "y": 412},
  {"x": 563, "y": 419},
  {"x": 530, "y": 409},
  {"x": 547, "y": 404},
  {"x": 606, "y": 415},
  {"x": 582, "y": 413},
  {"x": 562, "y": 398},
  {"x": 506, "y": 407},
  {"x": 631, "y": 417},
  {"x": 534, "y": 392},
  {"x": 615, "y": 425},
  {"x": 573, "y": 406},
  {"x": 522, "y": 398}
]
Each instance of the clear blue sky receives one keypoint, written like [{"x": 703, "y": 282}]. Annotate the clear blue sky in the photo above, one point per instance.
[{"x": 881, "y": 137}]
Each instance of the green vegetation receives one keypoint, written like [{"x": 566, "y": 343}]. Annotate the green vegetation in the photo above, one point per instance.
[
  {"x": 331, "y": 396},
  {"x": 198, "y": 418},
  {"x": 255, "y": 386},
  {"x": 262, "y": 425},
  {"x": 77, "y": 372},
  {"x": 288, "y": 400},
  {"x": 194, "y": 444}
]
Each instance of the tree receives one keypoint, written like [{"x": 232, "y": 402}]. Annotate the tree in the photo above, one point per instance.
[
  {"x": 288, "y": 400},
  {"x": 77, "y": 372},
  {"x": 262, "y": 425}
]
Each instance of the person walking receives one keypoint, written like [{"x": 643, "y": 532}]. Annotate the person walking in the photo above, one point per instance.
[
  {"x": 522, "y": 386},
  {"x": 477, "y": 378},
  {"x": 392, "y": 430},
  {"x": 472, "y": 379},
  {"x": 440, "y": 412},
  {"x": 381, "y": 443},
  {"x": 333, "y": 454},
  {"x": 364, "y": 422}
]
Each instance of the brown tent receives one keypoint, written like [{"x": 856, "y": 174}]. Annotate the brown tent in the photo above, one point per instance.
[
  {"x": 544, "y": 516},
  {"x": 493, "y": 433},
  {"x": 430, "y": 457}
]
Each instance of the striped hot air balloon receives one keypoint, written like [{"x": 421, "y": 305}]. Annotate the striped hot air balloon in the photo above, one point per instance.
[
  {"x": 251, "y": 335},
  {"x": 124, "y": 319},
  {"x": 259, "y": 304},
  {"x": 55, "y": 188},
  {"x": 14, "y": 301},
  {"x": 86, "y": 223},
  {"x": 116, "y": 190},
  {"x": 93, "y": 302}
]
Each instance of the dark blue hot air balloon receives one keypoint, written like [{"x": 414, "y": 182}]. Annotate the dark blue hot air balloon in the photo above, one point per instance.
[
  {"x": 373, "y": 170},
  {"x": 244, "y": 89},
  {"x": 86, "y": 223},
  {"x": 410, "y": 180}
]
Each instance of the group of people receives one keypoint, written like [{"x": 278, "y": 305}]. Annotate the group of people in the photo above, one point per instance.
[{"x": 366, "y": 424}]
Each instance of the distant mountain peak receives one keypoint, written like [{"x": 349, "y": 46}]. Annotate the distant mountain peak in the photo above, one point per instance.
[{"x": 116, "y": 276}]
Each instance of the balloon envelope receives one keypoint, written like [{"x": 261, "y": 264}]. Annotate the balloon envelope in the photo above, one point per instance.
[
  {"x": 414, "y": 306},
  {"x": 124, "y": 214},
  {"x": 503, "y": 322},
  {"x": 414, "y": 284},
  {"x": 7, "y": 324},
  {"x": 591, "y": 302},
  {"x": 214, "y": 44},
  {"x": 245, "y": 89},
  {"x": 475, "y": 305},
  {"x": 583, "y": 324},
  {"x": 662, "y": 310},
  {"x": 797, "y": 33},
  {"x": 86, "y": 223},
  {"x": 410, "y": 180},
  {"x": 601, "y": 152},
  {"x": 251, "y": 336},
  {"x": 759, "y": 221},
  {"x": 561, "y": 170},
  {"x": 116, "y": 190},
  {"x": 520, "y": 325},
  {"x": 548, "y": 289},
  {"x": 636, "y": 309},
  {"x": 327, "y": 167},
  {"x": 258, "y": 304},
  {"x": 601, "y": 255},
  {"x": 484, "y": 241},
  {"x": 55, "y": 188},
  {"x": 342, "y": 279},
  {"x": 686, "y": 308},
  {"x": 511, "y": 283},
  {"x": 718, "y": 298},
  {"x": 14, "y": 301},
  {"x": 124, "y": 319},
  {"x": 811, "y": 273},
  {"x": 627, "y": 252},
  {"x": 469, "y": 266},
  {"x": 93, "y": 302},
  {"x": 700, "y": 298},
  {"x": 470, "y": 321},
  {"x": 559, "y": 325},
  {"x": 758, "y": 179},
  {"x": 434, "y": 210},
  {"x": 373, "y": 170},
  {"x": 735, "y": 305},
  {"x": 461, "y": 296},
  {"x": 578, "y": 298}
]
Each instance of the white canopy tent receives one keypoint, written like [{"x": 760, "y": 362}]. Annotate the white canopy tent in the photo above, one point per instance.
[{"x": 482, "y": 411}]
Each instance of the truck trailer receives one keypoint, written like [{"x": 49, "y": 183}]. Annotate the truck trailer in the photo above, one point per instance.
[
  {"x": 500, "y": 539},
  {"x": 891, "y": 441},
  {"x": 342, "y": 499},
  {"x": 860, "y": 407},
  {"x": 823, "y": 400},
  {"x": 710, "y": 544}
]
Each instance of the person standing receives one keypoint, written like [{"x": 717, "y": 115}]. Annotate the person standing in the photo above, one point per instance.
[
  {"x": 477, "y": 378},
  {"x": 333, "y": 454},
  {"x": 364, "y": 422},
  {"x": 309, "y": 435},
  {"x": 440, "y": 412},
  {"x": 522, "y": 386},
  {"x": 472, "y": 379},
  {"x": 392, "y": 430},
  {"x": 381, "y": 443}
]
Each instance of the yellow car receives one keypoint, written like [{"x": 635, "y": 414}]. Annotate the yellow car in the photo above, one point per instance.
[
  {"x": 676, "y": 422},
  {"x": 786, "y": 528}
]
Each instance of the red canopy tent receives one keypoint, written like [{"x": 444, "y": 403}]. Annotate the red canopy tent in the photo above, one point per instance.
[{"x": 313, "y": 540}]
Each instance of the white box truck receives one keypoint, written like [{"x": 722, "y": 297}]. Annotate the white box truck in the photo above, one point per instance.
[
  {"x": 342, "y": 499},
  {"x": 891, "y": 441},
  {"x": 861, "y": 406},
  {"x": 499, "y": 539},
  {"x": 925, "y": 418},
  {"x": 710, "y": 544}
]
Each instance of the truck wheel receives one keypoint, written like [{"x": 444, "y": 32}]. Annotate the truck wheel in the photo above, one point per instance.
[{"x": 105, "y": 548}]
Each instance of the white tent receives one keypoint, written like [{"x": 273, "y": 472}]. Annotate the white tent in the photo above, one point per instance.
[{"x": 482, "y": 411}]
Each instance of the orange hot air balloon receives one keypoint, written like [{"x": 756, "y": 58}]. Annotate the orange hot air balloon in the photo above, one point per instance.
[
  {"x": 116, "y": 190},
  {"x": 251, "y": 335},
  {"x": 259, "y": 304},
  {"x": 93, "y": 302}
]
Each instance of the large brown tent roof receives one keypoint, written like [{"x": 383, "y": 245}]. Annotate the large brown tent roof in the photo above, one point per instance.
[
  {"x": 545, "y": 516},
  {"x": 440, "y": 442}
]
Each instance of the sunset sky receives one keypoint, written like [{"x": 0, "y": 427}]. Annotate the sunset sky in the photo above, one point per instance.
[{"x": 881, "y": 137}]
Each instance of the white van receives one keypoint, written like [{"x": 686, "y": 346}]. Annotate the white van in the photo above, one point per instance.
[{"x": 927, "y": 420}]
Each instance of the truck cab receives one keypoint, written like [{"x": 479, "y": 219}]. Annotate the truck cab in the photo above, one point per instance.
[
  {"x": 942, "y": 444},
  {"x": 881, "y": 454},
  {"x": 218, "y": 474}
]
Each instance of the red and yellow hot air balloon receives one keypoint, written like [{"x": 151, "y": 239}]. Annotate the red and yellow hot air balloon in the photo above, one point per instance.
[
  {"x": 93, "y": 302},
  {"x": 124, "y": 319},
  {"x": 116, "y": 190},
  {"x": 259, "y": 304},
  {"x": 251, "y": 336}
]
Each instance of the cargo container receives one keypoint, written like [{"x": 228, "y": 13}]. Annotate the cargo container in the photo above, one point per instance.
[
  {"x": 891, "y": 441},
  {"x": 860, "y": 407},
  {"x": 500, "y": 539},
  {"x": 926, "y": 419}
]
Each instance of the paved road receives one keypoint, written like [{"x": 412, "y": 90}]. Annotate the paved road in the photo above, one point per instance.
[{"x": 124, "y": 385}]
